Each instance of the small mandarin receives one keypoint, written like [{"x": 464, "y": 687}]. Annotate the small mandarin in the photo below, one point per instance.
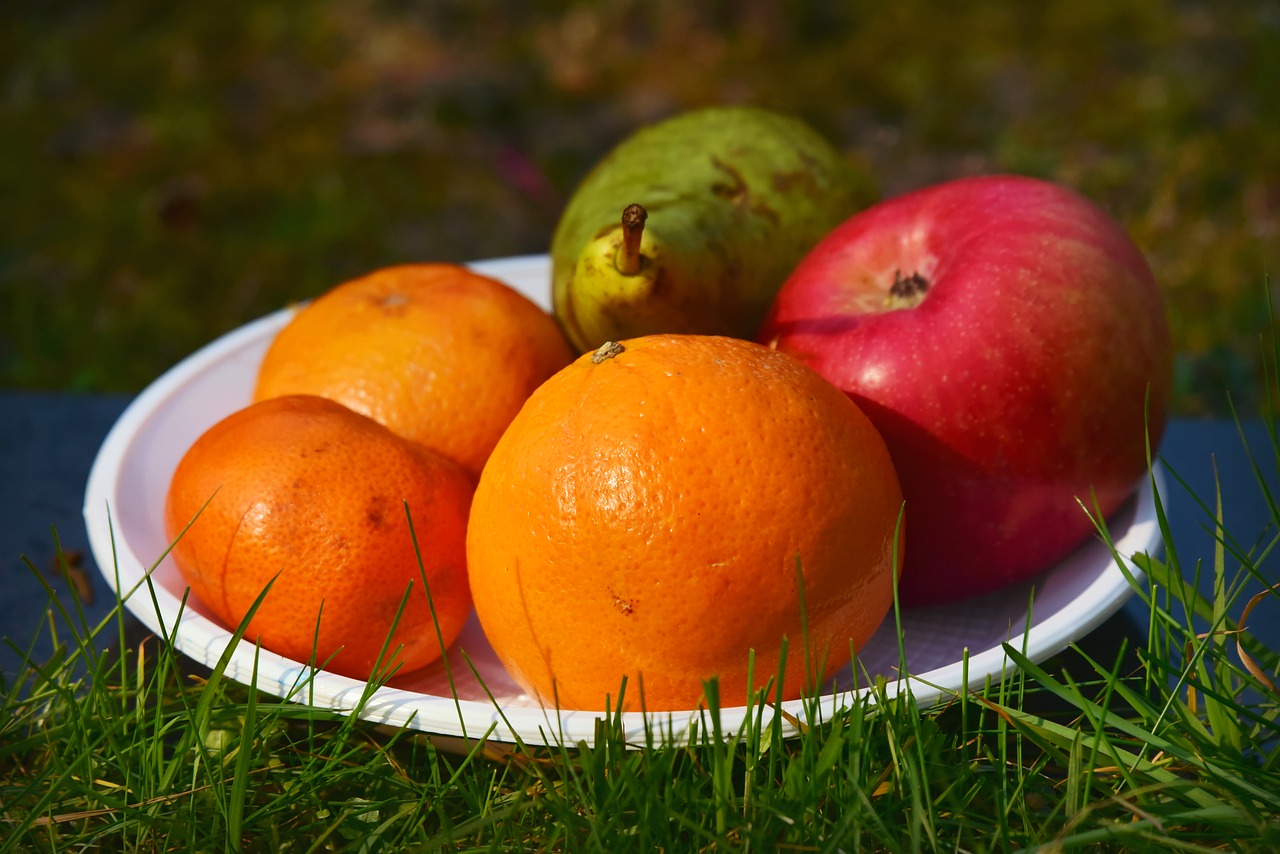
[
  {"x": 644, "y": 514},
  {"x": 305, "y": 492},
  {"x": 436, "y": 352}
]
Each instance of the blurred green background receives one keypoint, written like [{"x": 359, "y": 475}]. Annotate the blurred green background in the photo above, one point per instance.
[{"x": 169, "y": 171}]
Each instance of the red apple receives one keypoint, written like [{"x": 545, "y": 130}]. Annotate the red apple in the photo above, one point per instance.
[{"x": 1004, "y": 334}]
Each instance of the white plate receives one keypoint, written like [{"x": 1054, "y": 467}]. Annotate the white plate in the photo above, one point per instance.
[{"x": 123, "y": 511}]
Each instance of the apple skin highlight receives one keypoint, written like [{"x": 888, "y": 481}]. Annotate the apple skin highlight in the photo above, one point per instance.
[{"x": 1022, "y": 380}]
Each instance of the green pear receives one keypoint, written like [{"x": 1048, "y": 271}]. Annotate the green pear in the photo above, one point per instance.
[{"x": 720, "y": 204}]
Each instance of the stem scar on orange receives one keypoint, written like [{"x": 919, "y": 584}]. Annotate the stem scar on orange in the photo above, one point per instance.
[
  {"x": 438, "y": 353},
  {"x": 644, "y": 513},
  {"x": 312, "y": 494}
]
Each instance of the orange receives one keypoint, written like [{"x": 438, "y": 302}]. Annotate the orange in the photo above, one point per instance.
[
  {"x": 436, "y": 352},
  {"x": 307, "y": 492},
  {"x": 643, "y": 517}
]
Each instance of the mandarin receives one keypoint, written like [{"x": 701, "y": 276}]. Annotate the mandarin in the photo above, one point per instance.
[
  {"x": 645, "y": 514},
  {"x": 438, "y": 353},
  {"x": 304, "y": 491}
]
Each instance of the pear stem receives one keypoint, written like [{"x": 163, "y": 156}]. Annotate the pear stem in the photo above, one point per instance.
[{"x": 628, "y": 258}]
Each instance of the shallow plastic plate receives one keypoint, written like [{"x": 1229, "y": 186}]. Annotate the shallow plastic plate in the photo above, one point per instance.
[{"x": 123, "y": 511}]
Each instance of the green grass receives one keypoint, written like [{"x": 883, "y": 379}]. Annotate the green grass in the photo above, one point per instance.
[
  {"x": 231, "y": 161},
  {"x": 1168, "y": 746}
]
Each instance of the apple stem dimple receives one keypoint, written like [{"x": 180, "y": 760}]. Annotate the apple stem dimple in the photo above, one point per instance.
[
  {"x": 907, "y": 291},
  {"x": 628, "y": 258}
]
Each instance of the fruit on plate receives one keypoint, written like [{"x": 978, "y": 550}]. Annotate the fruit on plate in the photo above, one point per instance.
[
  {"x": 438, "y": 353},
  {"x": 691, "y": 224},
  {"x": 309, "y": 496},
  {"x": 1005, "y": 335},
  {"x": 644, "y": 516}
]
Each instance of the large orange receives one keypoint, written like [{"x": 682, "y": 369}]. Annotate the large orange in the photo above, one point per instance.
[
  {"x": 644, "y": 513},
  {"x": 312, "y": 494},
  {"x": 437, "y": 352}
]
